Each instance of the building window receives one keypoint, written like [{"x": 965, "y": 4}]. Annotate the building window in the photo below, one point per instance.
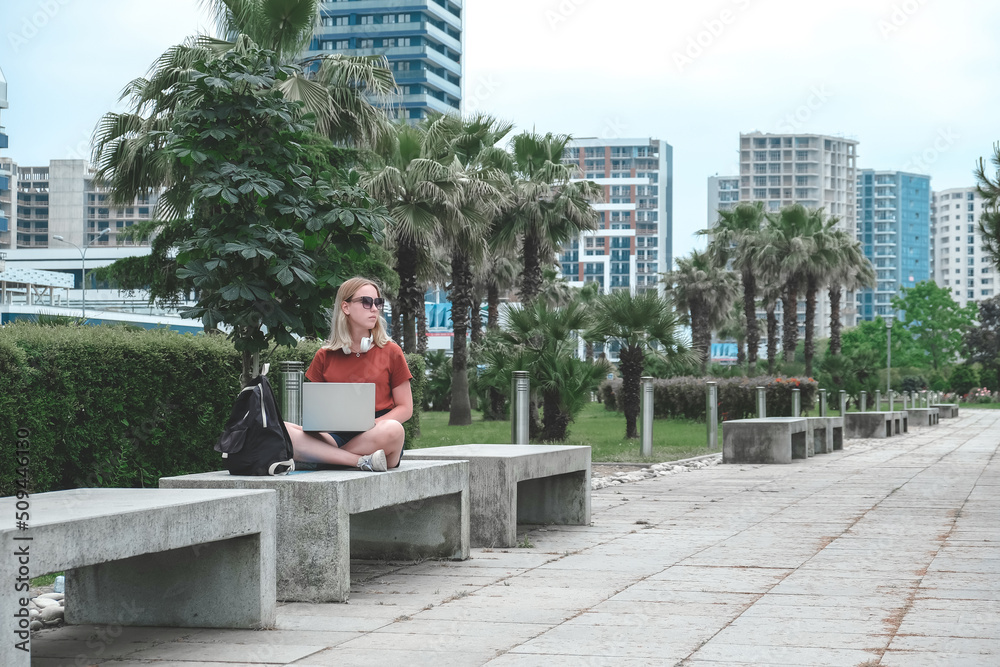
[
  {"x": 342, "y": 44},
  {"x": 366, "y": 20},
  {"x": 342, "y": 20}
]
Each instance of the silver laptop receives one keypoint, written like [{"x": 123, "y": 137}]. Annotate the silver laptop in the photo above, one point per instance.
[{"x": 338, "y": 406}]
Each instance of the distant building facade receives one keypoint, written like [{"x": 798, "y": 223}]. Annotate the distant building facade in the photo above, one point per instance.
[
  {"x": 723, "y": 195},
  {"x": 814, "y": 170},
  {"x": 7, "y": 185},
  {"x": 957, "y": 260},
  {"x": 633, "y": 244},
  {"x": 894, "y": 211},
  {"x": 422, "y": 40}
]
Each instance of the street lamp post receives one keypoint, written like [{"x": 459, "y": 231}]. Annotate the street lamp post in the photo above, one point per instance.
[
  {"x": 83, "y": 266},
  {"x": 888, "y": 354}
]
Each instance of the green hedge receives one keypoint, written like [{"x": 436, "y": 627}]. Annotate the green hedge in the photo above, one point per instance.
[
  {"x": 117, "y": 407},
  {"x": 684, "y": 397}
]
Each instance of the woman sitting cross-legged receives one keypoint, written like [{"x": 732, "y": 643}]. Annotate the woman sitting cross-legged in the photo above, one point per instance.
[{"x": 359, "y": 350}]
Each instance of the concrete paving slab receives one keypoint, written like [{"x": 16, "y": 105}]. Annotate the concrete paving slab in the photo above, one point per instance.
[{"x": 880, "y": 553}]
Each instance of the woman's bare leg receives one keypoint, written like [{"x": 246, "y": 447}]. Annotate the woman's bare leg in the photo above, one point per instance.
[
  {"x": 317, "y": 447},
  {"x": 386, "y": 435}
]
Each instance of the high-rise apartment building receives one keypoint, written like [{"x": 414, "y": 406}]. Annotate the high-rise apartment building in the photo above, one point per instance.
[
  {"x": 957, "y": 260},
  {"x": 422, "y": 41},
  {"x": 6, "y": 177},
  {"x": 894, "y": 209},
  {"x": 61, "y": 199},
  {"x": 633, "y": 244},
  {"x": 723, "y": 195},
  {"x": 814, "y": 170}
]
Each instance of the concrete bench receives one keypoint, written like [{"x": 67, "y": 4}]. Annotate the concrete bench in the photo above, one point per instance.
[
  {"x": 327, "y": 517},
  {"x": 511, "y": 484},
  {"x": 767, "y": 440},
  {"x": 946, "y": 410},
  {"x": 875, "y": 424},
  {"x": 827, "y": 435},
  {"x": 924, "y": 416},
  {"x": 142, "y": 557}
]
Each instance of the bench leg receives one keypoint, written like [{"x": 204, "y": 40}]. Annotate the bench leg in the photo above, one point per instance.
[
  {"x": 436, "y": 527},
  {"x": 224, "y": 584},
  {"x": 799, "y": 446},
  {"x": 838, "y": 438},
  {"x": 559, "y": 499}
]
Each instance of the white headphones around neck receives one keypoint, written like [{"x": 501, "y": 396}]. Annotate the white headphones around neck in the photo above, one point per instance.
[{"x": 366, "y": 344}]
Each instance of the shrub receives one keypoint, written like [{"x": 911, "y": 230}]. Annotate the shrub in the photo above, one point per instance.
[
  {"x": 684, "y": 397},
  {"x": 962, "y": 379},
  {"x": 113, "y": 407}
]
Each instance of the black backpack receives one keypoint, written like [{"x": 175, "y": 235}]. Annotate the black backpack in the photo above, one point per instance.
[{"x": 255, "y": 440}]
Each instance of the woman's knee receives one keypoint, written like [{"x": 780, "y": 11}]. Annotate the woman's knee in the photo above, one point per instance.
[{"x": 392, "y": 432}]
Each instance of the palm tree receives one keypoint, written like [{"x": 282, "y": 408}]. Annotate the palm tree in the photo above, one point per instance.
[
  {"x": 989, "y": 220},
  {"x": 786, "y": 248},
  {"x": 129, "y": 147},
  {"x": 851, "y": 271},
  {"x": 707, "y": 292},
  {"x": 546, "y": 339},
  {"x": 637, "y": 323},
  {"x": 469, "y": 147},
  {"x": 734, "y": 327},
  {"x": 736, "y": 238},
  {"x": 547, "y": 208},
  {"x": 416, "y": 189},
  {"x": 818, "y": 268}
]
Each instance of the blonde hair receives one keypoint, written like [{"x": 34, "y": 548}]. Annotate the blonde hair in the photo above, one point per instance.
[{"x": 340, "y": 333}]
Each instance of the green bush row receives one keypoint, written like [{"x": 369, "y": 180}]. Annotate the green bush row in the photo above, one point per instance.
[
  {"x": 685, "y": 397},
  {"x": 119, "y": 407}
]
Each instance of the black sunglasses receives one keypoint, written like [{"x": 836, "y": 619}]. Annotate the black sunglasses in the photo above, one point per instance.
[{"x": 367, "y": 302}]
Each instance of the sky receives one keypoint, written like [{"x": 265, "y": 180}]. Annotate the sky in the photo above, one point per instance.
[{"x": 914, "y": 81}]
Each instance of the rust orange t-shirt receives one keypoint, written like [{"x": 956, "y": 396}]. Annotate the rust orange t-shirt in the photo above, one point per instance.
[{"x": 384, "y": 366}]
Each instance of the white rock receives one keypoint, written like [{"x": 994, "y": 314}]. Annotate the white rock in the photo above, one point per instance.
[
  {"x": 51, "y": 614},
  {"x": 36, "y": 625},
  {"x": 53, "y": 596},
  {"x": 44, "y": 603},
  {"x": 33, "y": 613}
]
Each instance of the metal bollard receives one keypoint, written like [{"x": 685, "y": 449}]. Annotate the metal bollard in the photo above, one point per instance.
[
  {"x": 761, "y": 403},
  {"x": 864, "y": 401},
  {"x": 890, "y": 397},
  {"x": 796, "y": 402},
  {"x": 878, "y": 400},
  {"x": 712, "y": 413},
  {"x": 520, "y": 395},
  {"x": 292, "y": 375},
  {"x": 822, "y": 402},
  {"x": 647, "y": 416},
  {"x": 843, "y": 402}
]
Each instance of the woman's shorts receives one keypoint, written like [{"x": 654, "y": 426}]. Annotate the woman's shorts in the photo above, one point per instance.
[{"x": 344, "y": 437}]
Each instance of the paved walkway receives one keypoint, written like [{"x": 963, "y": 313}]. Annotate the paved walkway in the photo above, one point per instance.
[{"x": 887, "y": 553}]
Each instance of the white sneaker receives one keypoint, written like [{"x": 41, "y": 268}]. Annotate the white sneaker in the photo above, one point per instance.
[{"x": 374, "y": 462}]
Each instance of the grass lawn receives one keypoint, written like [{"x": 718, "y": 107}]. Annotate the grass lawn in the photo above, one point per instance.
[{"x": 604, "y": 431}]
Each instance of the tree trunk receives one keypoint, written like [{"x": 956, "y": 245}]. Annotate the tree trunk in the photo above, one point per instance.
[
  {"x": 701, "y": 334},
  {"x": 493, "y": 306},
  {"x": 395, "y": 322},
  {"x": 554, "y": 419},
  {"x": 772, "y": 338},
  {"x": 789, "y": 321},
  {"x": 835, "y": 319},
  {"x": 531, "y": 276},
  {"x": 810, "y": 345},
  {"x": 630, "y": 363},
  {"x": 421, "y": 329},
  {"x": 409, "y": 291},
  {"x": 497, "y": 408},
  {"x": 741, "y": 352},
  {"x": 750, "y": 311},
  {"x": 461, "y": 298},
  {"x": 475, "y": 320}
]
